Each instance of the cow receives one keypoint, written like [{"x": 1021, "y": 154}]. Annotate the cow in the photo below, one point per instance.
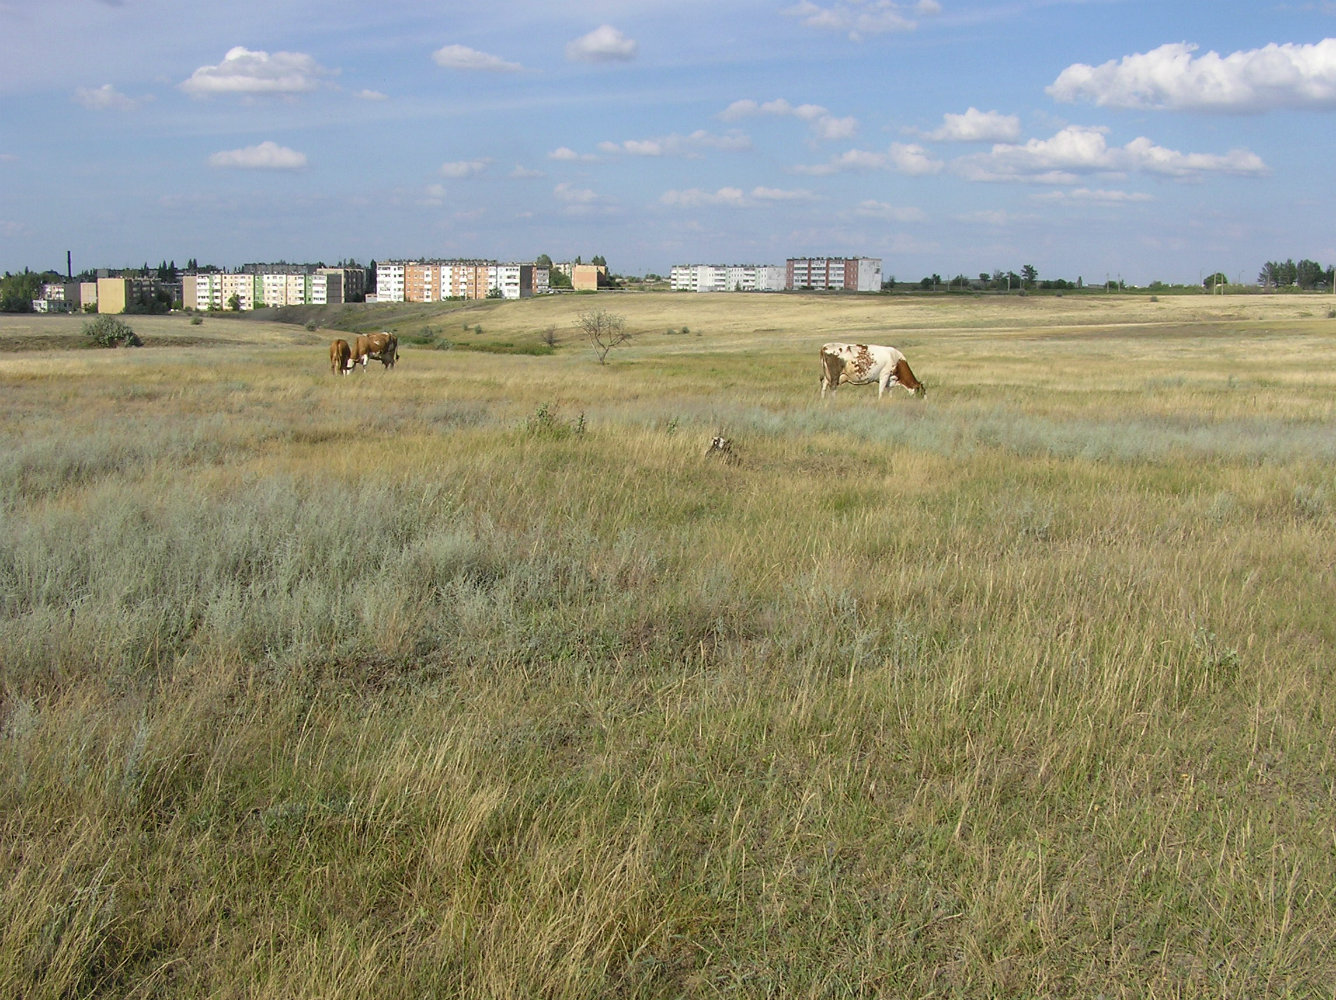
[
  {"x": 384, "y": 347},
  {"x": 340, "y": 357},
  {"x": 863, "y": 364}
]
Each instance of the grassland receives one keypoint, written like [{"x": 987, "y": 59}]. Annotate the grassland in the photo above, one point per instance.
[{"x": 478, "y": 678}]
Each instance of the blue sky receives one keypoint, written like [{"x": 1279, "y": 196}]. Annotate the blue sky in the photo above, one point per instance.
[{"x": 1089, "y": 138}]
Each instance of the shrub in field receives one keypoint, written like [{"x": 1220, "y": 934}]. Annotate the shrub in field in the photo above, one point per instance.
[
  {"x": 546, "y": 423},
  {"x": 108, "y": 331}
]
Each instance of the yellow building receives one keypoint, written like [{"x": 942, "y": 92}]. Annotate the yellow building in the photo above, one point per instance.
[{"x": 588, "y": 277}]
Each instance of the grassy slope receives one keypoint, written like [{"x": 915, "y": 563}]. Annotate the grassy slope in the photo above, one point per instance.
[{"x": 476, "y": 678}]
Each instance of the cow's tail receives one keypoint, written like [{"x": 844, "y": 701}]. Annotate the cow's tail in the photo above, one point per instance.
[{"x": 906, "y": 378}]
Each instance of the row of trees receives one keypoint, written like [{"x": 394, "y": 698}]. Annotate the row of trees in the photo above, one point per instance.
[
  {"x": 1307, "y": 274},
  {"x": 997, "y": 281}
]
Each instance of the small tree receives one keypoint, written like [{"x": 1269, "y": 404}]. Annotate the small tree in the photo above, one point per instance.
[
  {"x": 604, "y": 331},
  {"x": 108, "y": 331}
]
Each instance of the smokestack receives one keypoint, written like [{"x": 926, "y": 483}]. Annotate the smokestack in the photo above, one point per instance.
[{"x": 69, "y": 265}]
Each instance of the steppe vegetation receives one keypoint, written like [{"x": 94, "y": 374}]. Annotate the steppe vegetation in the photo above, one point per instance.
[{"x": 477, "y": 678}]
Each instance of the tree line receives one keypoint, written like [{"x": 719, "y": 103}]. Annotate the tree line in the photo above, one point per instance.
[{"x": 1307, "y": 274}]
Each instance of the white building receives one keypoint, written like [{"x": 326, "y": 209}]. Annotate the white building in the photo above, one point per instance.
[
  {"x": 850, "y": 274},
  {"x": 726, "y": 278},
  {"x": 390, "y": 281}
]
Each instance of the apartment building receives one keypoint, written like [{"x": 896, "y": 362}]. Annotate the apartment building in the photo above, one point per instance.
[
  {"x": 436, "y": 281},
  {"x": 259, "y": 290},
  {"x": 61, "y": 297},
  {"x": 726, "y": 278},
  {"x": 115, "y": 294},
  {"x": 850, "y": 274}
]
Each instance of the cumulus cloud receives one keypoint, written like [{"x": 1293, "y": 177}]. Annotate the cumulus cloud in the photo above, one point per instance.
[
  {"x": 243, "y": 71},
  {"x": 603, "y": 44},
  {"x": 579, "y": 201},
  {"x": 371, "y": 95},
  {"x": 1101, "y": 196},
  {"x": 857, "y": 18},
  {"x": 568, "y": 155},
  {"x": 903, "y": 158},
  {"x": 733, "y": 197},
  {"x": 266, "y": 156},
  {"x": 464, "y": 168},
  {"x": 465, "y": 58},
  {"x": 824, "y": 124},
  {"x": 976, "y": 126},
  {"x": 679, "y": 145},
  {"x": 1172, "y": 78},
  {"x": 105, "y": 98},
  {"x": 1080, "y": 150}
]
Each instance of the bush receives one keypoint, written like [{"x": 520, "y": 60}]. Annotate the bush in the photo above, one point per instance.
[
  {"x": 108, "y": 331},
  {"x": 196, "y": 320}
]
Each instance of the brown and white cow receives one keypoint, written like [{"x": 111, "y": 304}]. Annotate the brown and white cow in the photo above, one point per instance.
[
  {"x": 863, "y": 364},
  {"x": 384, "y": 347},
  {"x": 340, "y": 357}
]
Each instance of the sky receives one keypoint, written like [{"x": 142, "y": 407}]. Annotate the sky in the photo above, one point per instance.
[{"x": 1091, "y": 139}]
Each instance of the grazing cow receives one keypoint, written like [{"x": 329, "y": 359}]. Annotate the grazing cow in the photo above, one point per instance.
[
  {"x": 384, "y": 347},
  {"x": 863, "y": 364},
  {"x": 340, "y": 357}
]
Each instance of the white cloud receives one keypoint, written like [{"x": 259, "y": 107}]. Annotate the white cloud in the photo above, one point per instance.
[
  {"x": 823, "y": 123},
  {"x": 106, "y": 98},
  {"x": 1095, "y": 195},
  {"x": 679, "y": 145},
  {"x": 733, "y": 197},
  {"x": 576, "y": 198},
  {"x": 464, "y": 168},
  {"x": 857, "y": 18},
  {"x": 371, "y": 95},
  {"x": 522, "y": 172},
  {"x": 695, "y": 197},
  {"x": 245, "y": 72},
  {"x": 603, "y": 44},
  {"x": 568, "y": 155},
  {"x": 434, "y": 196},
  {"x": 904, "y": 158},
  {"x": 266, "y": 156},
  {"x": 1079, "y": 149},
  {"x": 463, "y": 57},
  {"x": 1171, "y": 78},
  {"x": 976, "y": 126}
]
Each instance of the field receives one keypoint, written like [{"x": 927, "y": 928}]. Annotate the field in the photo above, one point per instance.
[{"x": 480, "y": 678}]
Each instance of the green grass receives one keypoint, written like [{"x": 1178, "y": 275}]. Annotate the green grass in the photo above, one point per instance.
[{"x": 479, "y": 678}]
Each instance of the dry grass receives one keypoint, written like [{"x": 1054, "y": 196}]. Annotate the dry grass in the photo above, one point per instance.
[{"x": 477, "y": 678}]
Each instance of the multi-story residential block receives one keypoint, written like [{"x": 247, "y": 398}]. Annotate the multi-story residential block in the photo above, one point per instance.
[
  {"x": 202, "y": 291},
  {"x": 241, "y": 289},
  {"x": 436, "y": 281},
  {"x": 351, "y": 283},
  {"x": 115, "y": 294},
  {"x": 726, "y": 278},
  {"x": 853, "y": 274},
  {"x": 62, "y": 297},
  {"x": 390, "y": 277}
]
